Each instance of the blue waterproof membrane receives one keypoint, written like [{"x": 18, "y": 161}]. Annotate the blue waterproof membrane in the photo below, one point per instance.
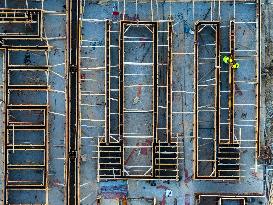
[
  {"x": 26, "y": 196},
  {"x": 26, "y": 137},
  {"x": 19, "y": 28},
  {"x": 231, "y": 202},
  {"x": 26, "y": 157},
  {"x": 28, "y": 77},
  {"x": 28, "y": 58},
  {"x": 28, "y": 97},
  {"x": 26, "y": 117},
  {"x": 26, "y": 177}
]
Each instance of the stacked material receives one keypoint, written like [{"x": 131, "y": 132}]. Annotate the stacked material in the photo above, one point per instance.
[{"x": 114, "y": 189}]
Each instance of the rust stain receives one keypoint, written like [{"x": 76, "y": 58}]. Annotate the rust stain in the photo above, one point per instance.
[{"x": 139, "y": 90}]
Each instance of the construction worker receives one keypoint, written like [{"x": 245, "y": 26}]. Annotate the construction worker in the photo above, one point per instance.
[
  {"x": 227, "y": 60},
  {"x": 231, "y": 62},
  {"x": 235, "y": 66},
  {"x": 124, "y": 200}
]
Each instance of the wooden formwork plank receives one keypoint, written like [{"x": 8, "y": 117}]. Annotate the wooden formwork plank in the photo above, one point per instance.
[
  {"x": 107, "y": 81},
  {"x": 231, "y": 82},
  {"x": 258, "y": 77},
  {"x": 169, "y": 83}
]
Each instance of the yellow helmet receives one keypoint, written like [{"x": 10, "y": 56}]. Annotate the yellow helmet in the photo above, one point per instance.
[{"x": 236, "y": 65}]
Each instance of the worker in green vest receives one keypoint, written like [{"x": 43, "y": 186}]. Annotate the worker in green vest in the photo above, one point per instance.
[{"x": 228, "y": 59}]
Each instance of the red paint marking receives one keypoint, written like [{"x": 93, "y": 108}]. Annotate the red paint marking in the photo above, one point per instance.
[
  {"x": 131, "y": 154},
  {"x": 162, "y": 187},
  {"x": 56, "y": 183},
  {"x": 149, "y": 141},
  {"x": 186, "y": 173},
  {"x": 144, "y": 150},
  {"x": 187, "y": 199},
  {"x": 163, "y": 201},
  {"x": 256, "y": 174},
  {"x": 139, "y": 88},
  {"x": 115, "y": 13},
  {"x": 187, "y": 177},
  {"x": 83, "y": 76}
]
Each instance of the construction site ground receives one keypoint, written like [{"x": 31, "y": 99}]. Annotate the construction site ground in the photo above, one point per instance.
[{"x": 255, "y": 175}]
